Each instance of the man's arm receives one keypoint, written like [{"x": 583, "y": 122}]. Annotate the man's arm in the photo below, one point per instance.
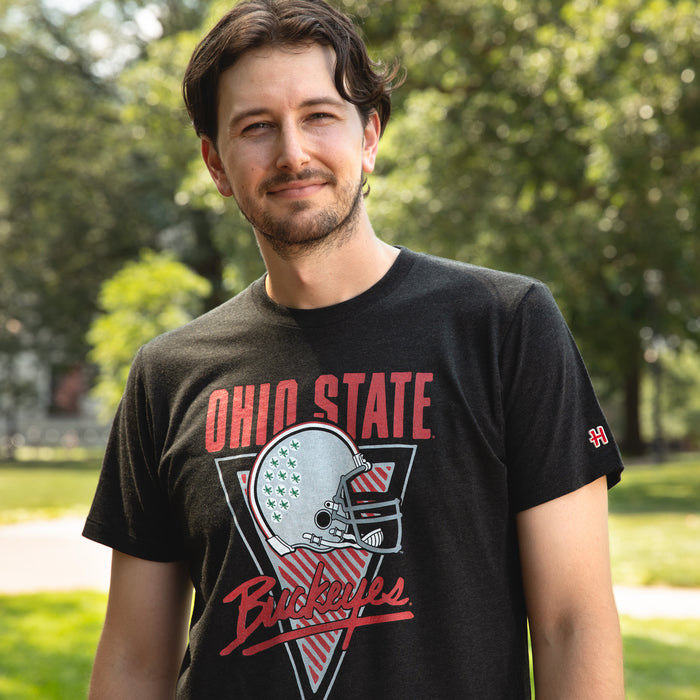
[
  {"x": 145, "y": 630},
  {"x": 574, "y": 626}
]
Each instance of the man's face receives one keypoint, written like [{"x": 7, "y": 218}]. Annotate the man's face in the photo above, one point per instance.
[{"x": 290, "y": 149}]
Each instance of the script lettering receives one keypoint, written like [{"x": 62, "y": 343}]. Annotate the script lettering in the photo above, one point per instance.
[{"x": 257, "y": 608}]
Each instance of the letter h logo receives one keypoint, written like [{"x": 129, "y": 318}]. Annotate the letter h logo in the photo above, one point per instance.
[{"x": 597, "y": 436}]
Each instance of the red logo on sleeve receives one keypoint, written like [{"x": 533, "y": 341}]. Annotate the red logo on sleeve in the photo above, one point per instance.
[{"x": 598, "y": 436}]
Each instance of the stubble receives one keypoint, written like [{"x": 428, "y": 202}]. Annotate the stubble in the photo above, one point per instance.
[{"x": 298, "y": 235}]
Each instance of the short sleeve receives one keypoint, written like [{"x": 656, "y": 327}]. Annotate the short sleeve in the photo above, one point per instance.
[
  {"x": 557, "y": 438},
  {"x": 130, "y": 511}
]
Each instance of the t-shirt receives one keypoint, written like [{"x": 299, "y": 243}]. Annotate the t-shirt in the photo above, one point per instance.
[{"x": 343, "y": 482}]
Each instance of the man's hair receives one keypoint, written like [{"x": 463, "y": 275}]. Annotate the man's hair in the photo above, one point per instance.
[{"x": 254, "y": 24}]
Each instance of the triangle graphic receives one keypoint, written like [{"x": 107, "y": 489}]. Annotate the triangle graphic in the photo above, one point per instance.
[{"x": 316, "y": 645}]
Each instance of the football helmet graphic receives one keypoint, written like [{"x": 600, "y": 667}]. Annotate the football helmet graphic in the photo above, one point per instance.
[{"x": 311, "y": 487}]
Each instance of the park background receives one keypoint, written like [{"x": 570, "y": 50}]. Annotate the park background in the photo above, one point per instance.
[{"x": 555, "y": 139}]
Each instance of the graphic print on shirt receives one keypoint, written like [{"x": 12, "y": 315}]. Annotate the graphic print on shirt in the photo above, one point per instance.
[{"x": 325, "y": 513}]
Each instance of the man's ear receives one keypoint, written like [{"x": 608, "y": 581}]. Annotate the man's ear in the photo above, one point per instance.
[
  {"x": 370, "y": 142},
  {"x": 215, "y": 167}
]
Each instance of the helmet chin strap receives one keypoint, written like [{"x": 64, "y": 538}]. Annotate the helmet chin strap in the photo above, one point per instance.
[{"x": 346, "y": 540}]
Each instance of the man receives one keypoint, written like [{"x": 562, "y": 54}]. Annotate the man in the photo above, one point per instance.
[{"x": 374, "y": 466}]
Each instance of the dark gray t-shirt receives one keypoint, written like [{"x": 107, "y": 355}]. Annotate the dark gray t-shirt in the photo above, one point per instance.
[{"x": 343, "y": 482}]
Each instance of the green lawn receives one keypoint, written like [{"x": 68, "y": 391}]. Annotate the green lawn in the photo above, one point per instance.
[
  {"x": 47, "y": 644},
  {"x": 661, "y": 659},
  {"x": 655, "y": 525},
  {"x": 36, "y": 489},
  {"x": 47, "y": 641},
  {"x": 654, "y": 513}
]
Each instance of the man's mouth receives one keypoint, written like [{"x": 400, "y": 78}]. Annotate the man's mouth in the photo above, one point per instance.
[
  {"x": 296, "y": 189},
  {"x": 305, "y": 183}
]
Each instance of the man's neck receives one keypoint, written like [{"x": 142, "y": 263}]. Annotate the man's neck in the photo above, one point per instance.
[{"x": 330, "y": 274}]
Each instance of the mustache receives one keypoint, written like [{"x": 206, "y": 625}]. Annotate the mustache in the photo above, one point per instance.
[{"x": 286, "y": 178}]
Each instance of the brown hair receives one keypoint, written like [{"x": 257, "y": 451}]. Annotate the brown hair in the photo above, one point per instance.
[{"x": 256, "y": 23}]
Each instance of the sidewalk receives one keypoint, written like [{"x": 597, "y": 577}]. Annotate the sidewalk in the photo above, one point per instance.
[
  {"x": 51, "y": 555},
  {"x": 658, "y": 602}
]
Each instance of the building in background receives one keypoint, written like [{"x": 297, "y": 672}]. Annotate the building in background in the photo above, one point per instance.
[{"x": 46, "y": 407}]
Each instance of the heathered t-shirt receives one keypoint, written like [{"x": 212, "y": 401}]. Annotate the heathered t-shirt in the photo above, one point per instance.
[{"x": 343, "y": 482}]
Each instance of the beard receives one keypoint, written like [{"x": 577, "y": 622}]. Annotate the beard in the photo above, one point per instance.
[{"x": 296, "y": 234}]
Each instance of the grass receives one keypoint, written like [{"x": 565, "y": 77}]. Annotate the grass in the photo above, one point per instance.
[
  {"x": 35, "y": 489},
  {"x": 654, "y": 512},
  {"x": 48, "y": 640},
  {"x": 47, "y": 644},
  {"x": 661, "y": 659},
  {"x": 655, "y": 525}
]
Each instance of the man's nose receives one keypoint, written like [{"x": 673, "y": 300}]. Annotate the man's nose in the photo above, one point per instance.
[{"x": 293, "y": 155}]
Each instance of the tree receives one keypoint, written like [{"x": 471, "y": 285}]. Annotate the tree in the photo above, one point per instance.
[
  {"x": 145, "y": 298},
  {"x": 560, "y": 141},
  {"x": 671, "y": 396},
  {"x": 68, "y": 210},
  {"x": 195, "y": 222},
  {"x": 92, "y": 163},
  {"x": 95, "y": 148}
]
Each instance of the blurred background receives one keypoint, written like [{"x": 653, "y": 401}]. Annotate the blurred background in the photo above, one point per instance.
[
  {"x": 550, "y": 138},
  {"x": 555, "y": 139}
]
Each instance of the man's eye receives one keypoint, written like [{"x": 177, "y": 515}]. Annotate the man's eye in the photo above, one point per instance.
[{"x": 257, "y": 126}]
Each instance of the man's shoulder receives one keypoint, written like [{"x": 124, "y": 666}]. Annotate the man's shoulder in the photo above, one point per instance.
[
  {"x": 440, "y": 275},
  {"x": 205, "y": 330}
]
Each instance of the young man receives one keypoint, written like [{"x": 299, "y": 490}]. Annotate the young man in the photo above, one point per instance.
[{"x": 374, "y": 466}]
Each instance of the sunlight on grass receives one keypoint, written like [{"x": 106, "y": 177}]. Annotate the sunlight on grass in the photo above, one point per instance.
[
  {"x": 47, "y": 641},
  {"x": 55, "y": 454},
  {"x": 655, "y": 548},
  {"x": 672, "y": 487},
  {"x": 661, "y": 659},
  {"x": 47, "y": 644},
  {"x": 655, "y": 525},
  {"x": 30, "y": 491}
]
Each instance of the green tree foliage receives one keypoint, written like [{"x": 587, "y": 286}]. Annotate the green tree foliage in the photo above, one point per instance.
[
  {"x": 207, "y": 234},
  {"x": 85, "y": 184},
  {"x": 65, "y": 206},
  {"x": 557, "y": 139},
  {"x": 145, "y": 298},
  {"x": 671, "y": 406},
  {"x": 560, "y": 140},
  {"x": 73, "y": 203},
  {"x": 95, "y": 144}
]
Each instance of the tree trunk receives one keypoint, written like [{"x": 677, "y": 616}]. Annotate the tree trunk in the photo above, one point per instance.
[
  {"x": 632, "y": 442},
  {"x": 207, "y": 260}
]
